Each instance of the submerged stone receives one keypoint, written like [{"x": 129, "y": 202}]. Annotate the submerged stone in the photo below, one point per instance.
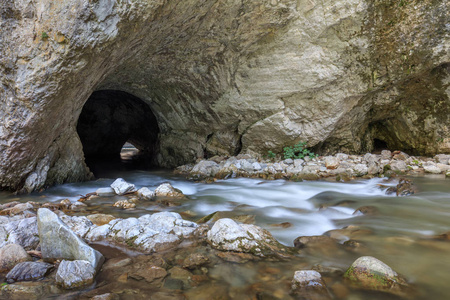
[{"x": 308, "y": 284}]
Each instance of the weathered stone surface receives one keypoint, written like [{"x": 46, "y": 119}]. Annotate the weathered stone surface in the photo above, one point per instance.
[
  {"x": 73, "y": 274},
  {"x": 23, "y": 231},
  {"x": 145, "y": 194},
  {"x": 287, "y": 66},
  {"x": 227, "y": 235},
  {"x": 24, "y": 290},
  {"x": 151, "y": 274},
  {"x": 28, "y": 271},
  {"x": 10, "y": 255},
  {"x": 122, "y": 187},
  {"x": 371, "y": 273},
  {"x": 314, "y": 241},
  {"x": 59, "y": 242}
]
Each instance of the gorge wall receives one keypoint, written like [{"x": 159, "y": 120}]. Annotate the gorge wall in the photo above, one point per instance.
[{"x": 222, "y": 77}]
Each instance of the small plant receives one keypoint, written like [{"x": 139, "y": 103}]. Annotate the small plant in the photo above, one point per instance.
[
  {"x": 299, "y": 150},
  {"x": 44, "y": 35},
  {"x": 270, "y": 154}
]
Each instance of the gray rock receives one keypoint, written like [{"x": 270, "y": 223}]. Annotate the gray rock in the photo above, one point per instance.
[
  {"x": 228, "y": 235},
  {"x": 331, "y": 162},
  {"x": 360, "y": 170},
  {"x": 74, "y": 274},
  {"x": 145, "y": 194},
  {"x": 308, "y": 284},
  {"x": 122, "y": 187},
  {"x": 442, "y": 158},
  {"x": 433, "y": 169},
  {"x": 23, "y": 232},
  {"x": 371, "y": 273},
  {"x": 59, "y": 242},
  {"x": 398, "y": 165},
  {"x": 10, "y": 255},
  {"x": 386, "y": 154},
  {"x": 28, "y": 271},
  {"x": 205, "y": 168},
  {"x": 105, "y": 192},
  {"x": 167, "y": 190},
  {"x": 79, "y": 225}
]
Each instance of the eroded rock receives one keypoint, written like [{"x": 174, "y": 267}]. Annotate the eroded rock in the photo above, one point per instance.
[
  {"x": 121, "y": 187},
  {"x": 11, "y": 255}
]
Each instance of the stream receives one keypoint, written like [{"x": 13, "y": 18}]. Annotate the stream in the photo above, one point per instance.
[{"x": 398, "y": 233}]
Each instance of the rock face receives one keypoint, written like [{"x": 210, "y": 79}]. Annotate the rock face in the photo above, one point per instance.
[
  {"x": 58, "y": 241},
  {"x": 219, "y": 78}
]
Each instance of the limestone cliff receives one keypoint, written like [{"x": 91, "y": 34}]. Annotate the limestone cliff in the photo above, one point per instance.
[{"x": 222, "y": 77}]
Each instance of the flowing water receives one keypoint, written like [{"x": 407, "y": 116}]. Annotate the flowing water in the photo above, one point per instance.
[{"x": 399, "y": 234}]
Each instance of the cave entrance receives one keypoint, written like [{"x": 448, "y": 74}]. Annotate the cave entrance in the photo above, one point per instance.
[{"x": 118, "y": 131}]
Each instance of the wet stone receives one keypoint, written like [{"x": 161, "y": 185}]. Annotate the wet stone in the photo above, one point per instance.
[
  {"x": 151, "y": 274},
  {"x": 370, "y": 273},
  {"x": 121, "y": 187},
  {"x": 28, "y": 271},
  {"x": 195, "y": 260},
  {"x": 308, "y": 284}
]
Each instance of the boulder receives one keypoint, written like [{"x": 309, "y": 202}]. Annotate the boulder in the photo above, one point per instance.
[
  {"x": 331, "y": 162},
  {"x": 432, "y": 168},
  {"x": 73, "y": 274},
  {"x": 122, "y": 187},
  {"x": 28, "y": 271},
  {"x": 105, "y": 192},
  {"x": 23, "y": 232},
  {"x": 205, "y": 168},
  {"x": 228, "y": 235},
  {"x": 145, "y": 194},
  {"x": 370, "y": 273},
  {"x": 59, "y": 242},
  {"x": 167, "y": 190},
  {"x": 11, "y": 255},
  {"x": 308, "y": 284},
  {"x": 398, "y": 165}
]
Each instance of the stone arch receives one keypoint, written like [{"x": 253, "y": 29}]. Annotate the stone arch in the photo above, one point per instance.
[{"x": 109, "y": 119}]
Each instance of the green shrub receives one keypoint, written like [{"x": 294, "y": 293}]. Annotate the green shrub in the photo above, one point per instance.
[
  {"x": 44, "y": 35},
  {"x": 299, "y": 150},
  {"x": 270, "y": 154}
]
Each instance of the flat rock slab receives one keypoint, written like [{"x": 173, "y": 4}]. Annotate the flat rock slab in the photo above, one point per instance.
[
  {"x": 73, "y": 274},
  {"x": 28, "y": 271},
  {"x": 59, "y": 242}
]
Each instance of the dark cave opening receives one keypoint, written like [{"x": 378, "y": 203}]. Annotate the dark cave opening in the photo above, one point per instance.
[
  {"x": 379, "y": 145},
  {"x": 110, "y": 125}
]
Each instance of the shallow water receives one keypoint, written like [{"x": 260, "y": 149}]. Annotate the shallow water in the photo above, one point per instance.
[{"x": 400, "y": 231}]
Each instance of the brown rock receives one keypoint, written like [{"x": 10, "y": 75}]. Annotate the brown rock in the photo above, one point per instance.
[
  {"x": 195, "y": 260},
  {"x": 100, "y": 219},
  {"x": 11, "y": 255},
  {"x": 151, "y": 274},
  {"x": 314, "y": 241},
  {"x": 367, "y": 210}
]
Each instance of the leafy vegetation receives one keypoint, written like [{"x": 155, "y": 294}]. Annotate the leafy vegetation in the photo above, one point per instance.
[
  {"x": 44, "y": 35},
  {"x": 299, "y": 150}
]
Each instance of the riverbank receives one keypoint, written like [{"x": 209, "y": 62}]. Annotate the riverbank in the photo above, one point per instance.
[
  {"x": 342, "y": 167},
  {"x": 178, "y": 241}
]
